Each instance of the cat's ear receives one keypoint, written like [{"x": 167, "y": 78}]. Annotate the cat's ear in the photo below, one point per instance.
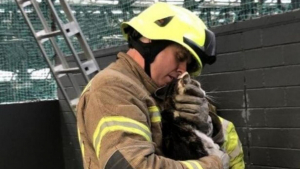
[{"x": 186, "y": 79}]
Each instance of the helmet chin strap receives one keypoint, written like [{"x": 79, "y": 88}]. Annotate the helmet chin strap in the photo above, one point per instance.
[{"x": 149, "y": 51}]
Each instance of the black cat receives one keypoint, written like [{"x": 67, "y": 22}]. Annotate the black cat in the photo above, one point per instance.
[{"x": 182, "y": 140}]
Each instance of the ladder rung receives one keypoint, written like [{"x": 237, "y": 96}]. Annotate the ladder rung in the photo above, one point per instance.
[
  {"x": 71, "y": 28},
  {"x": 24, "y": 3},
  {"x": 69, "y": 70},
  {"x": 89, "y": 67},
  {"x": 42, "y": 34},
  {"x": 66, "y": 30},
  {"x": 61, "y": 75},
  {"x": 74, "y": 102},
  {"x": 60, "y": 70}
]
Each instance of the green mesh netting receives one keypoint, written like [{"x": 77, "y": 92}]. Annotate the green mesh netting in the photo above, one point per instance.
[{"x": 24, "y": 75}]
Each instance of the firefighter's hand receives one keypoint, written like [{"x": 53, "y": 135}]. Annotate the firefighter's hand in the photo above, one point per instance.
[
  {"x": 211, "y": 162},
  {"x": 193, "y": 106},
  {"x": 222, "y": 155}
]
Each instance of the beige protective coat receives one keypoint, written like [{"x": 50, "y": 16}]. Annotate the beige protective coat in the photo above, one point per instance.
[{"x": 119, "y": 123}]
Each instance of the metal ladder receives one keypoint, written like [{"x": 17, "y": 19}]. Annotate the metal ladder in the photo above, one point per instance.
[{"x": 86, "y": 68}]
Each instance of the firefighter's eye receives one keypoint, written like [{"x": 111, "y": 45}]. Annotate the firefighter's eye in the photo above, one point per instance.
[{"x": 181, "y": 57}]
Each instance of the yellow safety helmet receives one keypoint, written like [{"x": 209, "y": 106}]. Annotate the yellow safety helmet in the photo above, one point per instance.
[{"x": 163, "y": 21}]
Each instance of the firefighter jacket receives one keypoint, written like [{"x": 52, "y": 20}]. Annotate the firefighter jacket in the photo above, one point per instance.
[
  {"x": 119, "y": 123},
  {"x": 229, "y": 140}
]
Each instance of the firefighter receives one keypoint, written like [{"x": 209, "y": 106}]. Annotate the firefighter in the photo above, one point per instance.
[{"x": 118, "y": 119}]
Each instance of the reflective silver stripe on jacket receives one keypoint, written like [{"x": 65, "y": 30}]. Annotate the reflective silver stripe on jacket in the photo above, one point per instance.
[
  {"x": 154, "y": 114},
  {"x": 118, "y": 123}
]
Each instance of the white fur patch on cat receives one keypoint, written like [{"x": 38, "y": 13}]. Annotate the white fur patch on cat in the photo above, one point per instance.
[
  {"x": 180, "y": 84},
  {"x": 208, "y": 143}
]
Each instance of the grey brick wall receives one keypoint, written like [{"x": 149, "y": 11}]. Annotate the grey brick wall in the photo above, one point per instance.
[{"x": 255, "y": 83}]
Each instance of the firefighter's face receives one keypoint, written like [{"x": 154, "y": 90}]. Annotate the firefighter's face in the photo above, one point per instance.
[{"x": 168, "y": 65}]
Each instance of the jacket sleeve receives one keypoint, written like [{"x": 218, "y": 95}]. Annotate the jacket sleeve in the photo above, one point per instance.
[
  {"x": 117, "y": 128},
  {"x": 226, "y": 136},
  {"x": 232, "y": 145}
]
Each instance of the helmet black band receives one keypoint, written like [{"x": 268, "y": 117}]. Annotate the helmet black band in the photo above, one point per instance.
[
  {"x": 163, "y": 21},
  {"x": 210, "y": 43},
  {"x": 206, "y": 55},
  {"x": 148, "y": 50}
]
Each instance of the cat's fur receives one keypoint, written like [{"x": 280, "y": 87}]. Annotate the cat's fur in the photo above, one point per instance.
[{"x": 181, "y": 139}]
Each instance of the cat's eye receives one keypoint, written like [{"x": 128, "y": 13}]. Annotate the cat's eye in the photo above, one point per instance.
[{"x": 181, "y": 58}]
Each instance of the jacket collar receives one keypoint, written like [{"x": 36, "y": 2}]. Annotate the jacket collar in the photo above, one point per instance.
[{"x": 135, "y": 70}]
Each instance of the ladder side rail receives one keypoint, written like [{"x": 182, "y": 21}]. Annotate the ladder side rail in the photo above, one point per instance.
[
  {"x": 45, "y": 55},
  {"x": 76, "y": 87},
  {"x": 70, "y": 45},
  {"x": 59, "y": 54},
  {"x": 52, "y": 40},
  {"x": 54, "y": 44},
  {"x": 84, "y": 45}
]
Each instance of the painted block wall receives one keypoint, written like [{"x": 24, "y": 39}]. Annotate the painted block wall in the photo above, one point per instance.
[{"x": 255, "y": 84}]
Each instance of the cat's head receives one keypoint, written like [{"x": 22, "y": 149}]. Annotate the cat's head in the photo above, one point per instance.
[
  {"x": 178, "y": 87},
  {"x": 183, "y": 80}
]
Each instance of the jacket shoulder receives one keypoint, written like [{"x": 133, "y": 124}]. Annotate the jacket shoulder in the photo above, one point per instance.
[{"x": 112, "y": 79}]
